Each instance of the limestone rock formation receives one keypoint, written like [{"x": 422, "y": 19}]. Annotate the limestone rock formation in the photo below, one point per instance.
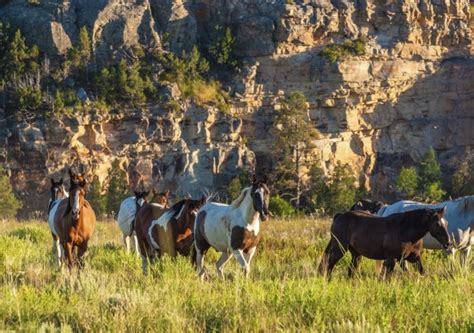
[{"x": 412, "y": 88}]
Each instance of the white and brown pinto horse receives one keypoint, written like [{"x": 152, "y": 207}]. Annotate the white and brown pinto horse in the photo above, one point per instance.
[
  {"x": 128, "y": 211},
  {"x": 460, "y": 222},
  {"x": 74, "y": 221},
  {"x": 58, "y": 193},
  {"x": 232, "y": 229},
  {"x": 160, "y": 230}
]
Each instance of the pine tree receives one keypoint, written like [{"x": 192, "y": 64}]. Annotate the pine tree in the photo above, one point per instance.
[
  {"x": 96, "y": 197},
  {"x": 294, "y": 135},
  {"x": 9, "y": 204},
  {"x": 430, "y": 177},
  {"x": 407, "y": 182},
  {"x": 117, "y": 188}
]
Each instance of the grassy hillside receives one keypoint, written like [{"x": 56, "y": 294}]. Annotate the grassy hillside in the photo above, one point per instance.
[{"x": 283, "y": 293}]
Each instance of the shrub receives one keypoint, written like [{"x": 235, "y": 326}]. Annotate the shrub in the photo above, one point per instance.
[
  {"x": 234, "y": 188},
  {"x": 462, "y": 182},
  {"x": 334, "y": 52},
  {"x": 33, "y": 234},
  {"x": 9, "y": 204},
  {"x": 221, "y": 50},
  {"x": 117, "y": 189},
  {"x": 407, "y": 182},
  {"x": 96, "y": 197},
  {"x": 281, "y": 207}
]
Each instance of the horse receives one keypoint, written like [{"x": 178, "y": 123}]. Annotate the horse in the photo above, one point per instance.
[
  {"x": 160, "y": 230},
  {"x": 368, "y": 205},
  {"x": 58, "y": 193},
  {"x": 75, "y": 221},
  {"x": 395, "y": 237},
  {"x": 460, "y": 221},
  {"x": 232, "y": 229},
  {"x": 128, "y": 210}
]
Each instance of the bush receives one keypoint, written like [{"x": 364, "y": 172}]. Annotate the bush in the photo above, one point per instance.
[
  {"x": 281, "y": 207},
  {"x": 234, "y": 188},
  {"x": 462, "y": 182},
  {"x": 334, "y": 52},
  {"x": 96, "y": 198},
  {"x": 407, "y": 182},
  {"x": 9, "y": 204},
  {"x": 33, "y": 234},
  {"x": 424, "y": 184},
  {"x": 117, "y": 189},
  {"x": 221, "y": 50}
]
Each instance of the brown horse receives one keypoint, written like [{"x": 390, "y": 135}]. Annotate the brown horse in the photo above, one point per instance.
[
  {"x": 160, "y": 230},
  {"x": 391, "y": 238},
  {"x": 75, "y": 221}
]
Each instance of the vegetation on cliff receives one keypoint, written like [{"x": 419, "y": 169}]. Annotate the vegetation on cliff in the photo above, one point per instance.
[{"x": 9, "y": 204}]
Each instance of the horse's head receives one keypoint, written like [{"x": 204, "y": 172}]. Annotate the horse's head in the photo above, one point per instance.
[
  {"x": 140, "y": 197},
  {"x": 438, "y": 226},
  {"x": 57, "y": 189},
  {"x": 161, "y": 198},
  {"x": 368, "y": 205},
  {"x": 77, "y": 194},
  {"x": 260, "y": 197},
  {"x": 189, "y": 212}
]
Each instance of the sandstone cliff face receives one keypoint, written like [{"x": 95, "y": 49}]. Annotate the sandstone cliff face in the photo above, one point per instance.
[{"x": 413, "y": 88}]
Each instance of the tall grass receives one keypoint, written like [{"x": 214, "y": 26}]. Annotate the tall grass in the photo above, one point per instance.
[{"x": 284, "y": 292}]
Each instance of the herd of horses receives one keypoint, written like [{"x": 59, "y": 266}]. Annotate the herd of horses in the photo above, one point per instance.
[{"x": 389, "y": 233}]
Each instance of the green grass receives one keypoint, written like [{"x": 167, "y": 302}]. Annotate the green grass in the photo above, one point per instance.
[{"x": 284, "y": 292}]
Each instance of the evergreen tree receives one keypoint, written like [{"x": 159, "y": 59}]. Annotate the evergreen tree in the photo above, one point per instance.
[
  {"x": 117, "y": 188},
  {"x": 430, "y": 178},
  {"x": 341, "y": 191},
  {"x": 294, "y": 134},
  {"x": 9, "y": 204},
  {"x": 96, "y": 197},
  {"x": 407, "y": 182}
]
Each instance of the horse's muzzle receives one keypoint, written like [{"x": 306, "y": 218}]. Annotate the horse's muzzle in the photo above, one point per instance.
[
  {"x": 448, "y": 248},
  {"x": 263, "y": 216},
  {"x": 75, "y": 214}
]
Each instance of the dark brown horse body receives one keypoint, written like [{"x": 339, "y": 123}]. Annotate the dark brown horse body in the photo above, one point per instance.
[
  {"x": 177, "y": 222},
  {"x": 396, "y": 237},
  {"x": 75, "y": 221}
]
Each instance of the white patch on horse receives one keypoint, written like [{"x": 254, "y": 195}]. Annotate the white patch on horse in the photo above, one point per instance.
[
  {"x": 180, "y": 212},
  {"x": 157, "y": 205},
  {"x": 75, "y": 202},
  {"x": 141, "y": 202},
  {"x": 161, "y": 221}
]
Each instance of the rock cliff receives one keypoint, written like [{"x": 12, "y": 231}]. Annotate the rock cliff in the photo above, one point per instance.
[{"x": 413, "y": 88}]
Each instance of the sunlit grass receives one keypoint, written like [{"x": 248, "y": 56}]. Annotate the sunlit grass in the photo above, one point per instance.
[{"x": 283, "y": 293}]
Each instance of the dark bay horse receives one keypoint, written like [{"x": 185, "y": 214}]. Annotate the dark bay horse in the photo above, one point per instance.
[
  {"x": 75, "y": 221},
  {"x": 391, "y": 238},
  {"x": 160, "y": 230}
]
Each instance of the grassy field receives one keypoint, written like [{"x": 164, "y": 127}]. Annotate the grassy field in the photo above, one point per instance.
[{"x": 284, "y": 292}]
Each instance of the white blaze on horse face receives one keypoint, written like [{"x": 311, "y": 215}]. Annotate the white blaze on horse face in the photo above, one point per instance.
[
  {"x": 260, "y": 192},
  {"x": 75, "y": 203},
  {"x": 140, "y": 202}
]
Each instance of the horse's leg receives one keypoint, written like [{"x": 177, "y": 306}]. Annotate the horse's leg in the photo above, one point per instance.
[
  {"x": 250, "y": 255},
  {"x": 464, "y": 255},
  {"x": 388, "y": 266},
  {"x": 126, "y": 241},
  {"x": 224, "y": 258},
  {"x": 135, "y": 244},
  {"x": 239, "y": 255},
  {"x": 356, "y": 257},
  {"x": 333, "y": 253},
  {"x": 403, "y": 265},
  {"x": 80, "y": 254},
  {"x": 68, "y": 248},
  {"x": 200, "y": 263}
]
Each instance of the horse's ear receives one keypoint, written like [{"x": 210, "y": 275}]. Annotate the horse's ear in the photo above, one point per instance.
[
  {"x": 265, "y": 179},
  {"x": 52, "y": 182},
  {"x": 71, "y": 174},
  {"x": 83, "y": 183},
  {"x": 203, "y": 200},
  {"x": 136, "y": 193},
  {"x": 61, "y": 181},
  {"x": 443, "y": 210}
]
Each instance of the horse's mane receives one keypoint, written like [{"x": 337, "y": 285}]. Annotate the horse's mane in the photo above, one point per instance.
[
  {"x": 237, "y": 202},
  {"x": 174, "y": 210}
]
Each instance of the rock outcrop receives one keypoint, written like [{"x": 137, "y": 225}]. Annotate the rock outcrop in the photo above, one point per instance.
[{"x": 412, "y": 88}]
